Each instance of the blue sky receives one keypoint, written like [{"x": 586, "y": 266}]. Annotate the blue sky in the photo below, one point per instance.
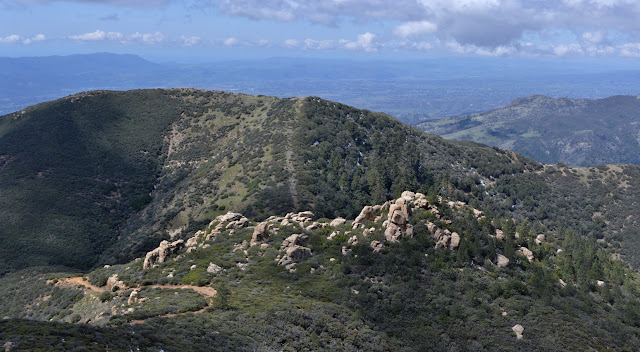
[{"x": 186, "y": 30}]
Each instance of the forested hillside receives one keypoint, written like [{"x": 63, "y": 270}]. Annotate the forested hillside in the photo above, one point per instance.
[{"x": 348, "y": 230}]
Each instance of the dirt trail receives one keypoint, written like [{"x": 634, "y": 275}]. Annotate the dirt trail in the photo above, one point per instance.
[
  {"x": 78, "y": 281},
  {"x": 203, "y": 290},
  {"x": 292, "y": 179},
  {"x": 208, "y": 292}
]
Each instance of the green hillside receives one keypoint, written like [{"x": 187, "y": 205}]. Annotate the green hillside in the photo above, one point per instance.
[
  {"x": 92, "y": 183},
  {"x": 355, "y": 289},
  {"x": 82, "y": 172},
  {"x": 579, "y": 132}
]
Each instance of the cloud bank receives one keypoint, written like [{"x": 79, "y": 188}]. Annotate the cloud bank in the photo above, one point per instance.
[{"x": 483, "y": 23}]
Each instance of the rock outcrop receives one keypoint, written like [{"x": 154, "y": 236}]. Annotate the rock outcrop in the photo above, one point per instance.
[
  {"x": 377, "y": 246},
  {"x": 113, "y": 282},
  {"x": 518, "y": 330},
  {"x": 294, "y": 252},
  {"x": 367, "y": 213},
  {"x": 502, "y": 261},
  {"x": 213, "y": 268},
  {"x": 398, "y": 221},
  {"x": 337, "y": 222},
  {"x": 160, "y": 254},
  {"x": 134, "y": 297},
  {"x": 526, "y": 252},
  {"x": 260, "y": 233}
]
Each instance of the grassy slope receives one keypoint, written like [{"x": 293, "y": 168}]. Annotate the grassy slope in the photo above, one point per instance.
[
  {"x": 576, "y": 132},
  {"x": 114, "y": 172},
  {"x": 239, "y": 152},
  {"x": 408, "y": 297}
]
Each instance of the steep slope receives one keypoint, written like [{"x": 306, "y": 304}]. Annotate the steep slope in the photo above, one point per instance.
[
  {"x": 117, "y": 171},
  {"x": 415, "y": 273},
  {"x": 572, "y": 131},
  {"x": 103, "y": 177}
]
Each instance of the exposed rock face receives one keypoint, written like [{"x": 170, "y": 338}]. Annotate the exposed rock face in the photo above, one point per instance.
[
  {"x": 337, "y": 222},
  {"x": 301, "y": 217},
  {"x": 314, "y": 226},
  {"x": 443, "y": 238},
  {"x": 368, "y": 231},
  {"x": 213, "y": 268},
  {"x": 134, "y": 297},
  {"x": 397, "y": 221},
  {"x": 293, "y": 251},
  {"x": 518, "y": 330},
  {"x": 526, "y": 252},
  {"x": 8, "y": 346},
  {"x": 499, "y": 234},
  {"x": 160, "y": 254},
  {"x": 230, "y": 216},
  {"x": 540, "y": 238},
  {"x": 367, "y": 213},
  {"x": 293, "y": 240},
  {"x": 377, "y": 246},
  {"x": 502, "y": 261},
  {"x": 260, "y": 233},
  {"x": 238, "y": 224},
  {"x": 455, "y": 240},
  {"x": 113, "y": 281}
]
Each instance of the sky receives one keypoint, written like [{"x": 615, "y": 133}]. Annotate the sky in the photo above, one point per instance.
[{"x": 187, "y": 30}]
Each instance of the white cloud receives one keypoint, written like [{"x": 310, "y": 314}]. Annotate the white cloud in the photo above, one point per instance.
[
  {"x": 291, "y": 43},
  {"x": 97, "y": 35},
  {"x": 564, "y": 49},
  {"x": 319, "y": 44},
  {"x": 491, "y": 24},
  {"x": 14, "y": 38},
  {"x": 263, "y": 42},
  {"x": 415, "y": 28},
  {"x": 230, "y": 42},
  {"x": 630, "y": 50},
  {"x": 593, "y": 37},
  {"x": 190, "y": 41},
  {"x": 147, "y": 38},
  {"x": 124, "y": 3},
  {"x": 364, "y": 42}
]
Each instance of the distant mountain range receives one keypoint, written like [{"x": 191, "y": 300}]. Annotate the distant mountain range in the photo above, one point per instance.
[
  {"x": 579, "y": 132},
  {"x": 411, "y": 90}
]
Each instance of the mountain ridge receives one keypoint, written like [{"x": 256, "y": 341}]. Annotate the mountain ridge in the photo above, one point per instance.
[
  {"x": 319, "y": 226},
  {"x": 578, "y": 132}
]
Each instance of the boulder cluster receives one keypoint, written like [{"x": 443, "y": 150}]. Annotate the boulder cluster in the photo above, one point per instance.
[
  {"x": 292, "y": 251},
  {"x": 391, "y": 218},
  {"x": 160, "y": 254}
]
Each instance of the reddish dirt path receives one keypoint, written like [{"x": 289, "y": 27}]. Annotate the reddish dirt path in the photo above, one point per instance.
[
  {"x": 81, "y": 281},
  {"x": 206, "y": 291},
  {"x": 78, "y": 281},
  {"x": 203, "y": 290}
]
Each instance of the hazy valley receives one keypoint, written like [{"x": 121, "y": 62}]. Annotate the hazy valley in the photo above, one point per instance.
[{"x": 578, "y": 132}]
